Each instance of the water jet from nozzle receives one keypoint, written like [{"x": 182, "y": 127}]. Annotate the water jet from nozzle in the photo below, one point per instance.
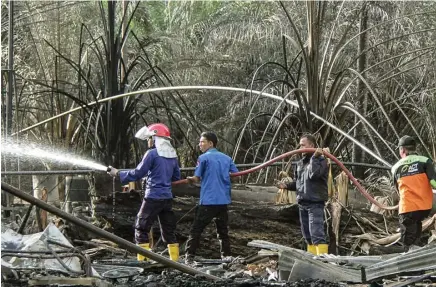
[{"x": 33, "y": 151}]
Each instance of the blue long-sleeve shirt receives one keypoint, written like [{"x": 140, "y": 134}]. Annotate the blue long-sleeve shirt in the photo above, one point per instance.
[{"x": 160, "y": 172}]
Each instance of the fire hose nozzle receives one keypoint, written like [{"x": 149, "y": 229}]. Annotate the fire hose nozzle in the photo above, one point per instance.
[{"x": 109, "y": 168}]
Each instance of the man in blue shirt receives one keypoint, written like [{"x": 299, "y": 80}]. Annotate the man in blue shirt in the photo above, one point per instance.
[
  {"x": 160, "y": 167},
  {"x": 213, "y": 170}
]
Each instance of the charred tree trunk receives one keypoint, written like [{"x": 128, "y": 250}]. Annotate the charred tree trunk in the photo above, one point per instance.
[
  {"x": 111, "y": 80},
  {"x": 361, "y": 93}
]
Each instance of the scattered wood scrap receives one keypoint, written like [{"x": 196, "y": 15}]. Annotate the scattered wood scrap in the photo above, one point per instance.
[
  {"x": 376, "y": 240},
  {"x": 101, "y": 246},
  {"x": 54, "y": 280}
]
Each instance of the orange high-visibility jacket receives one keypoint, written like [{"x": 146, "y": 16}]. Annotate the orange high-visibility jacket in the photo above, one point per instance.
[{"x": 414, "y": 177}]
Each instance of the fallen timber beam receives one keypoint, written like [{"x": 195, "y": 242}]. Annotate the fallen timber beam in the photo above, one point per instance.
[
  {"x": 100, "y": 232},
  {"x": 239, "y": 193},
  {"x": 51, "y": 280},
  {"x": 24, "y": 221}
]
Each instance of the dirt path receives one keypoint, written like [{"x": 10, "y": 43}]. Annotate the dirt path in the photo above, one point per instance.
[{"x": 247, "y": 222}]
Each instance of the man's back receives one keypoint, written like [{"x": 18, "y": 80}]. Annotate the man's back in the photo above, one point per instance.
[
  {"x": 214, "y": 169},
  {"x": 412, "y": 175}
]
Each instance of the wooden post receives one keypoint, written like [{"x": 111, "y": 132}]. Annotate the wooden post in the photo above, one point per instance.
[{"x": 44, "y": 198}]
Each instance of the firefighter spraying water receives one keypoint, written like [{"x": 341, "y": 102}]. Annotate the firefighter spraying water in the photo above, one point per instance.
[{"x": 160, "y": 167}]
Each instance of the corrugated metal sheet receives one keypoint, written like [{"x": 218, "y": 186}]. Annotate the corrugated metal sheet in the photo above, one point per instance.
[
  {"x": 421, "y": 259},
  {"x": 365, "y": 261},
  {"x": 302, "y": 265}
]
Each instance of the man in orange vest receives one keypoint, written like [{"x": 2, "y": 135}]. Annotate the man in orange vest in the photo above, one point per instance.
[{"x": 414, "y": 176}]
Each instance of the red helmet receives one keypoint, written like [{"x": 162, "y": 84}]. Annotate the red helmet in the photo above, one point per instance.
[{"x": 159, "y": 130}]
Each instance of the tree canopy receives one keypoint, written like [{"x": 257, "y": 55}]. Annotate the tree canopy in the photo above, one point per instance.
[{"x": 366, "y": 68}]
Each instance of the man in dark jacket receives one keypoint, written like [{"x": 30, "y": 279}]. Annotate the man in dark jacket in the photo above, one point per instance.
[
  {"x": 312, "y": 193},
  {"x": 213, "y": 170}
]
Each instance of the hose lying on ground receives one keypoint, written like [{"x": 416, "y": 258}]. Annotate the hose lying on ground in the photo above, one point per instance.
[{"x": 309, "y": 150}]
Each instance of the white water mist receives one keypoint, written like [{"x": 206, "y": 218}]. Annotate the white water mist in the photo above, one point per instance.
[{"x": 30, "y": 150}]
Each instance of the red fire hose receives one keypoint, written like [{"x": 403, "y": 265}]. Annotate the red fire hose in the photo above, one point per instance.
[{"x": 310, "y": 150}]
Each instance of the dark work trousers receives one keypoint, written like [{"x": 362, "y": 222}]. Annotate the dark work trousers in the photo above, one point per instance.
[
  {"x": 312, "y": 222},
  {"x": 411, "y": 226},
  {"x": 152, "y": 209},
  {"x": 204, "y": 214}
]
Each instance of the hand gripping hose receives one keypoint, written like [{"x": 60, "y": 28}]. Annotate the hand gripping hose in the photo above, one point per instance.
[{"x": 309, "y": 150}]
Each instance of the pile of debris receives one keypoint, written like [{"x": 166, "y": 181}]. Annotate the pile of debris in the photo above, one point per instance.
[
  {"x": 48, "y": 258},
  {"x": 52, "y": 257}
]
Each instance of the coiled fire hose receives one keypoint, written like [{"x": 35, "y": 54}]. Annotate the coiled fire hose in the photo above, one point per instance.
[{"x": 309, "y": 150}]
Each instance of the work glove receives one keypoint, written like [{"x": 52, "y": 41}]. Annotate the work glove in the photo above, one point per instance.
[
  {"x": 190, "y": 179},
  {"x": 113, "y": 171},
  {"x": 280, "y": 184},
  {"x": 318, "y": 152}
]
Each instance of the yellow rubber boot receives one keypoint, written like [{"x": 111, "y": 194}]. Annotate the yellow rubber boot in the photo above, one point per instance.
[
  {"x": 322, "y": 249},
  {"x": 173, "y": 250},
  {"x": 311, "y": 249},
  {"x": 142, "y": 257}
]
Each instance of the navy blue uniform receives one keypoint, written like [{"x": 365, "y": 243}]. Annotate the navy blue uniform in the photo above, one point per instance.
[{"x": 157, "y": 203}]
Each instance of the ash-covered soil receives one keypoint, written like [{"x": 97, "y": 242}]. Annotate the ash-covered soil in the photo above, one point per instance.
[
  {"x": 175, "y": 279},
  {"x": 247, "y": 221}
]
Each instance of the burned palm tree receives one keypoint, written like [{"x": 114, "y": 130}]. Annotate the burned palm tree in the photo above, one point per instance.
[
  {"x": 319, "y": 72},
  {"x": 108, "y": 65}
]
